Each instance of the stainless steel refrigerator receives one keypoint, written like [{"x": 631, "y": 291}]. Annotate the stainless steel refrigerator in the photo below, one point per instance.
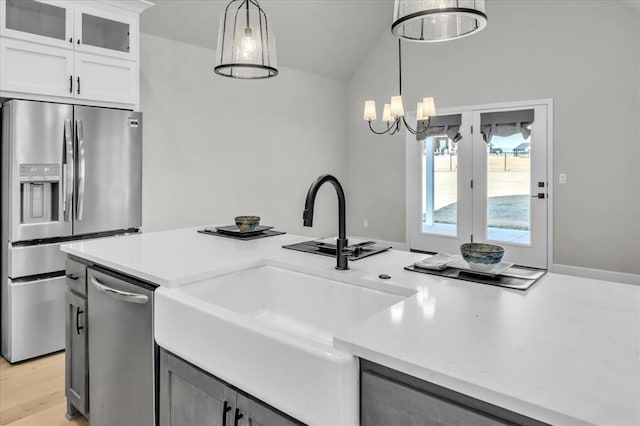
[{"x": 68, "y": 172}]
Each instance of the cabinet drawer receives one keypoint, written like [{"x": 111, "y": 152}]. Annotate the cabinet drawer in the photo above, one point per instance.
[
  {"x": 389, "y": 403},
  {"x": 33, "y": 260},
  {"x": 76, "y": 273}
]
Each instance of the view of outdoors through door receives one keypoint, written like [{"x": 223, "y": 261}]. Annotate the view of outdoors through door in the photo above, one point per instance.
[
  {"x": 482, "y": 185},
  {"x": 508, "y": 189},
  {"x": 440, "y": 186}
]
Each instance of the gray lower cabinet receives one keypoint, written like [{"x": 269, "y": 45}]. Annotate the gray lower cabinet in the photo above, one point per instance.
[
  {"x": 391, "y": 398},
  {"x": 76, "y": 343},
  {"x": 192, "y": 397}
]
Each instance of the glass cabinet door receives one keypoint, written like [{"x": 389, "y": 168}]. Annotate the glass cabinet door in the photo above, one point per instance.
[
  {"x": 104, "y": 33},
  {"x": 33, "y": 20}
]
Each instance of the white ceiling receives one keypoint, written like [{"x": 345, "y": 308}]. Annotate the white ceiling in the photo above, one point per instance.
[
  {"x": 633, "y": 3},
  {"x": 325, "y": 37}
]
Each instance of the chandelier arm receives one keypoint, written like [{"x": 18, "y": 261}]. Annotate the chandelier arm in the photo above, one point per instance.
[
  {"x": 412, "y": 131},
  {"x": 389, "y": 128}
]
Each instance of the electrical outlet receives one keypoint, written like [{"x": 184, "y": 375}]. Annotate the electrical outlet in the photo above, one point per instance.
[{"x": 562, "y": 178}]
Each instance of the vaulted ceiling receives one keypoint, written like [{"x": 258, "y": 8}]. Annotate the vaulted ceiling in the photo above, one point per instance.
[{"x": 326, "y": 37}]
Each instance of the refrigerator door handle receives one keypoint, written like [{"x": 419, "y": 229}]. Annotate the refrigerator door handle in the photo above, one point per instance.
[
  {"x": 125, "y": 296},
  {"x": 67, "y": 171},
  {"x": 81, "y": 169}
]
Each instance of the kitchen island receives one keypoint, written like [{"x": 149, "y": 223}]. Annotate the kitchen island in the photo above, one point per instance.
[{"x": 567, "y": 351}]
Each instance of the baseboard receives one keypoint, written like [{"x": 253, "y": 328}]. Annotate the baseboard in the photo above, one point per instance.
[{"x": 597, "y": 274}]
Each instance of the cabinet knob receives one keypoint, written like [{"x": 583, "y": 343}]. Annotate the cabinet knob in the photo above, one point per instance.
[
  {"x": 78, "y": 41},
  {"x": 70, "y": 39}
]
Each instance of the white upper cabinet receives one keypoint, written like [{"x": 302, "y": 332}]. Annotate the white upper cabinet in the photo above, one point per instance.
[
  {"x": 83, "y": 52},
  {"x": 47, "y": 22}
]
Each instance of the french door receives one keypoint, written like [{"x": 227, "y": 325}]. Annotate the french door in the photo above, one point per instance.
[{"x": 489, "y": 186}]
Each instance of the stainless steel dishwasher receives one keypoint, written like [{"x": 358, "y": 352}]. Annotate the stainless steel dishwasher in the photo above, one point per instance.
[{"x": 122, "y": 352}]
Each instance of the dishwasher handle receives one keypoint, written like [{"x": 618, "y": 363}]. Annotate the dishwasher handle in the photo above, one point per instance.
[{"x": 125, "y": 296}]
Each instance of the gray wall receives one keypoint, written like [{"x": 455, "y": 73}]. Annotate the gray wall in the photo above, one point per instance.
[
  {"x": 215, "y": 147},
  {"x": 585, "y": 55}
]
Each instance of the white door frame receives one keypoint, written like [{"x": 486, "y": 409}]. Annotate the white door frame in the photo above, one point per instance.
[{"x": 413, "y": 166}]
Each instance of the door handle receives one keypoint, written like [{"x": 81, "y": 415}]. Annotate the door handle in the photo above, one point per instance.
[
  {"x": 81, "y": 169},
  {"x": 72, "y": 276},
  {"x": 237, "y": 417},
  {"x": 125, "y": 296},
  {"x": 78, "y": 80},
  {"x": 226, "y": 407},
  {"x": 78, "y": 312},
  {"x": 67, "y": 172},
  {"x": 70, "y": 84}
]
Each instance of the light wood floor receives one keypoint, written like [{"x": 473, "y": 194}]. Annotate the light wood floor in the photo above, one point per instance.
[{"x": 32, "y": 393}]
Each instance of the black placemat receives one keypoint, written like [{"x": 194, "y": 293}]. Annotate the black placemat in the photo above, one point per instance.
[
  {"x": 264, "y": 234},
  {"x": 516, "y": 277}
]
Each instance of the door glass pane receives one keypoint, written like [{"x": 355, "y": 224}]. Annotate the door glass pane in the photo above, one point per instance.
[
  {"x": 36, "y": 18},
  {"x": 105, "y": 33},
  {"x": 439, "y": 186},
  {"x": 509, "y": 189}
]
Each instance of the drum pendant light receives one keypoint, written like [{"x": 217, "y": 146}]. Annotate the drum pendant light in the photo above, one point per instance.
[
  {"x": 437, "y": 20},
  {"x": 246, "y": 45}
]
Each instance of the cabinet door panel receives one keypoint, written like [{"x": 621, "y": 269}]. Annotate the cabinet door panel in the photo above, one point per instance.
[
  {"x": 191, "y": 397},
  {"x": 33, "y": 68},
  {"x": 49, "y": 22},
  {"x": 105, "y": 33},
  {"x": 101, "y": 78},
  {"x": 387, "y": 403},
  {"x": 256, "y": 414},
  {"x": 77, "y": 371}
]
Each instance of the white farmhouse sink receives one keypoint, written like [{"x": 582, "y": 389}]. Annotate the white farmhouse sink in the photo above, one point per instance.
[{"x": 268, "y": 331}]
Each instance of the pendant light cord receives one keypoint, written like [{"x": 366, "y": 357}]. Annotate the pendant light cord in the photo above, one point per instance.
[{"x": 400, "y": 65}]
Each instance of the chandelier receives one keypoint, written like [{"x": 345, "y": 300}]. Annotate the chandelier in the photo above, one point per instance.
[
  {"x": 424, "y": 21},
  {"x": 246, "y": 45},
  {"x": 393, "y": 112}
]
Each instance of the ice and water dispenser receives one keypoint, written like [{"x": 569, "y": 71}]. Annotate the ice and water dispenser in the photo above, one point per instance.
[{"x": 39, "y": 186}]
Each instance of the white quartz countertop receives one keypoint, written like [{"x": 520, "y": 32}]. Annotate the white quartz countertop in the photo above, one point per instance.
[{"x": 567, "y": 351}]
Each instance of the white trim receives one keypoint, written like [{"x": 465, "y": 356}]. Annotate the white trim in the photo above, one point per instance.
[{"x": 596, "y": 274}]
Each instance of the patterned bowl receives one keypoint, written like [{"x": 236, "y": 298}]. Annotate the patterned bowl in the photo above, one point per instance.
[
  {"x": 247, "y": 223},
  {"x": 481, "y": 257}
]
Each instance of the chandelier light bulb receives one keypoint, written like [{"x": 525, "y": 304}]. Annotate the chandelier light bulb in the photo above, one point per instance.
[
  {"x": 386, "y": 114},
  {"x": 397, "y": 109},
  {"x": 428, "y": 108},
  {"x": 370, "y": 110},
  {"x": 248, "y": 43},
  {"x": 419, "y": 114}
]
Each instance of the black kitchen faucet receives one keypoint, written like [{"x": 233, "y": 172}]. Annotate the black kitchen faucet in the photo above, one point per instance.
[{"x": 307, "y": 216}]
